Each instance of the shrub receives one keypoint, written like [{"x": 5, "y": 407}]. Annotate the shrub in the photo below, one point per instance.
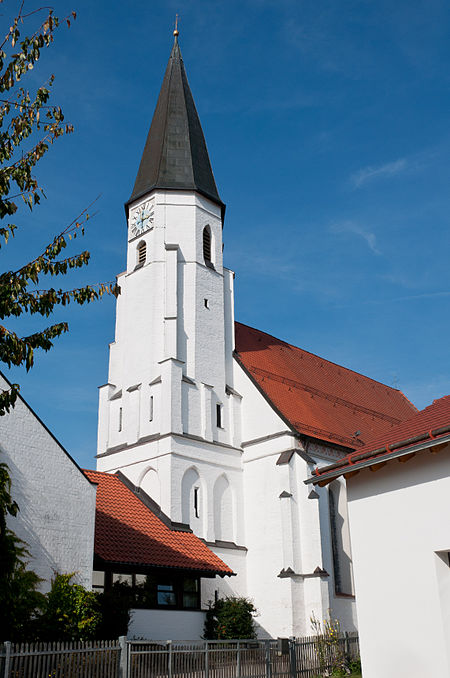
[
  {"x": 71, "y": 612},
  {"x": 328, "y": 648},
  {"x": 230, "y": 618}
]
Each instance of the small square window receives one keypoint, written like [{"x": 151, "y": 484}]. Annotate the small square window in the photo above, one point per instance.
[
  {"x": 166, "y": 594},
  {"x": 123, "y": 579}
]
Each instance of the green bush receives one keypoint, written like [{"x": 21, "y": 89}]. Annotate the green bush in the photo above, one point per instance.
[
  {"x": 71, "y": 612},
  {"x": 230, "y": 618},
  {"x": 20, "y": 601}
]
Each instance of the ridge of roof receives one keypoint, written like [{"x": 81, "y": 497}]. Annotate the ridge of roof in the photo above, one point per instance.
[
  {"x": 330, "y": 362},
  {"x": 175, "y": 155},
  {"x": 127, "y": 531}
]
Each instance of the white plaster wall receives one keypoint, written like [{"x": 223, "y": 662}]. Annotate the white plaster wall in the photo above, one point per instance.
[
  {"x": 398, "y": 520},
  {"x": 226, "y": 586},
  {"x": 264, "y": 532},
  {"x": 56, "y": 500},
  {"x": 289, "y": 532},
  {"x": 258, "y": 419},
  {"x": 166, "y": 625}
]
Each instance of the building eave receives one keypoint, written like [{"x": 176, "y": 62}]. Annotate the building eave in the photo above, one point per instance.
[{"x": 324, "y": 477}]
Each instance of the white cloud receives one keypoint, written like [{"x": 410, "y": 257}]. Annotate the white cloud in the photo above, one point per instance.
[
  {"x": 389, "y": 169},
  {"x": 357, "y": 229}
]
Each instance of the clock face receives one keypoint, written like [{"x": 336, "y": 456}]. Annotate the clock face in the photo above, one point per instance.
[{"x": 142, "y": 218}]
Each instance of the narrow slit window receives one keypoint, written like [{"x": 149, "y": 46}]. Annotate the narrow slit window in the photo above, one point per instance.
[
  {"x": 120, "y": 418},
  {"x": 150, "y": 410},
  {"x": 141, "y": 253},
  {"x": 196, "y": 503},
  {"x": 206, "y": 301},
  {"x": 219, "y": 415},
  {"x": 207, "y": 245}
]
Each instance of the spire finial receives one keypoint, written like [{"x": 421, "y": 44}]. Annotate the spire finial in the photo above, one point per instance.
[{"x": 176, "y": 31}]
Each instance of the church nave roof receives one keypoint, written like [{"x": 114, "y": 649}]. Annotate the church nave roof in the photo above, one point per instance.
[{"x": 317, "y": 397}]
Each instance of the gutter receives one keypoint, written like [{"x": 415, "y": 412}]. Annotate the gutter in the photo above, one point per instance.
[{"x": 366, "y": 459}]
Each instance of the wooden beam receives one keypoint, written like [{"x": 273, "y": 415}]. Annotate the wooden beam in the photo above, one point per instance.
[
  {"x": 324, "y": 482},
  {"x": 350, "y": 474},
  {"x": 406, "y": 457},
  {"x": 438, "y": 448},
  {"x": 376, "y": 467}
]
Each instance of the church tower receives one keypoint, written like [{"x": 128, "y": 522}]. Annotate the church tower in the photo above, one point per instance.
[{"x": 169, "y": 415}]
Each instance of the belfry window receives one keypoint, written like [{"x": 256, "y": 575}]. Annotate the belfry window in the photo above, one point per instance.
[
  {"x": 141, "y": 252},
  {"x": 207, "y": 245}
]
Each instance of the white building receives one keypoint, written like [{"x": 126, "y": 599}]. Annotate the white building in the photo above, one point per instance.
[
  {"x": 220, "y": 427},
  {"x": 401, "y": 544},
  {"x": 56, "y": 501}
]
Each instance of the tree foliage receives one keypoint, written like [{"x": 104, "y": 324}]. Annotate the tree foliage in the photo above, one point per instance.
[
  {"x": 230, "y": 618},
  {"x": 29, "y": 125},
  {"x": 20, "y": 602}
]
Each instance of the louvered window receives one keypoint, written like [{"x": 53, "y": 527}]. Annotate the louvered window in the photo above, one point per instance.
[
  {"x": 207, "y": 245},
  {"x": 141, "y": 253}
]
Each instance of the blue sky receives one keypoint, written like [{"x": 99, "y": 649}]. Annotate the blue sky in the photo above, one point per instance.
[{"x": 327, "y": 128}]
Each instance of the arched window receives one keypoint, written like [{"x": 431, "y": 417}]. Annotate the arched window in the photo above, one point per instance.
[
  {"x": 141, "y": 252},
  {"x": 192, "y": 501},
  {"x": 207, "y": 245}
]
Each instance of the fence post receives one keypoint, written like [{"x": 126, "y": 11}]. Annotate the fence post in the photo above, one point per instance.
[
  {"x": 7, "y": 658},
  {"x": 238, "y": 660},
  {"x": 169, "y": 659},
  {"x": 347, "y": 646},
  {"x": 268, "y": 665},
  {"x": 292, "y": 658},
  {"x": 123, "y": 663},
  {"x": 206, "y": 659}
]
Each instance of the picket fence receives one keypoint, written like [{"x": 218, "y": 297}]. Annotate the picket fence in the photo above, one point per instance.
[{"x": 122, "y": 658}]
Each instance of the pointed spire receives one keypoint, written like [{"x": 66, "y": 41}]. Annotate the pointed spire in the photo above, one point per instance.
[{"x": 175, "y": 154}]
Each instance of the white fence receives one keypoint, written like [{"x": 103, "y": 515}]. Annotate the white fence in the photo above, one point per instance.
[{"x": 283, "y": 658}]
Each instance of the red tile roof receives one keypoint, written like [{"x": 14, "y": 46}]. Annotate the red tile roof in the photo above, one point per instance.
[
  {"x": 428, "y": 425},
  {"x": 127, "y": 531},
  {"x": 317, "y": 397}
]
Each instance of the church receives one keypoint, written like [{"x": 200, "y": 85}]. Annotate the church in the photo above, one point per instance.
[{"x": 215, "y": 425}]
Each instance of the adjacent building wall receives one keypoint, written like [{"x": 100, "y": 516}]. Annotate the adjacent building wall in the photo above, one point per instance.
[
  {"x": 56, "y": 500},
  {"x": 401, "y": 540},
  {"x": 166, "y": 624}
]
